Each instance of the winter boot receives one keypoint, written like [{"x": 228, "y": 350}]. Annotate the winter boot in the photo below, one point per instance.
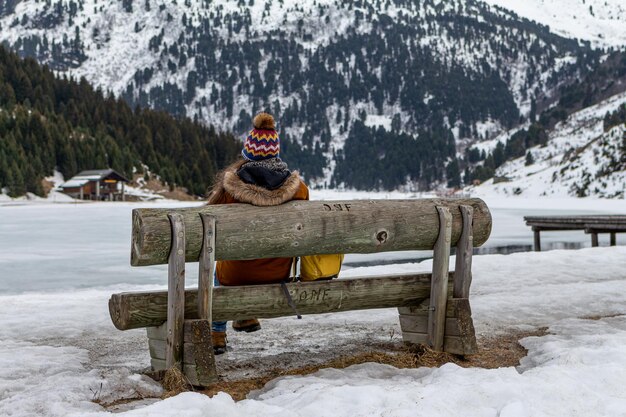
[
  {"x": 248, "y": 325},
  {"x": 219, "y": 342}
]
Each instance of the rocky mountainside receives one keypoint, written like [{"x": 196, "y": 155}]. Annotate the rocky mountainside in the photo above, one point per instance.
[
  {"x": 370, "y": 94},
  {"x": 584, "y": 155}
]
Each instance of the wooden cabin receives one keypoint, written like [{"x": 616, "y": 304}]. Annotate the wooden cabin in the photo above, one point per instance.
[{"x": 99, "y": 184}]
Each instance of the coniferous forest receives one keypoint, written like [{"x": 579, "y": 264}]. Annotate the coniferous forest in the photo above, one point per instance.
[{"x": 48, "y": 122}]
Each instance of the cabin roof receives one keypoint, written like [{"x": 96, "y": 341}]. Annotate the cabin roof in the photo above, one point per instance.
[{"x": 84, "y": 177}]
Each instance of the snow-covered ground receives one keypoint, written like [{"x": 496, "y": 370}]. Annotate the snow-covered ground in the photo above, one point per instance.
[
  {"x": 30, "y": 198},
  {"x": 59, "y": 350}
]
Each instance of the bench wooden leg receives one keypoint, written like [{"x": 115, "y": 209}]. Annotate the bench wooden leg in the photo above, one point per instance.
[
  {"x": 176, "y": 293},
  {"x": 462, "y": 282},
  {"x": 459, "y": 336},
  {"x": 464, "y": 249},
  {"x": 439, "y": 282},
  {"x": 594, "y": 239},
  {"x": 198, "y": 364},
  {"x": 157, "y": 337},
  {"x": 199, "y": 357},
  {"x": 206, "y": 265},
  {"x": 613, "y": 239}
]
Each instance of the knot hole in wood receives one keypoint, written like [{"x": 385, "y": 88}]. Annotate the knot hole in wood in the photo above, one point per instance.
[{"x": 381, "y": 236}]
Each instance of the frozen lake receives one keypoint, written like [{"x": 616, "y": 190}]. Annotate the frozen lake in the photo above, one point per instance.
[
  {"x": 67, "y": 246},
  {"x": 54, "y": 247}
]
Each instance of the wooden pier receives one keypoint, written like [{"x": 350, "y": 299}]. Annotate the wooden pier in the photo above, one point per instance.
[{"x": 593, "y": 225}]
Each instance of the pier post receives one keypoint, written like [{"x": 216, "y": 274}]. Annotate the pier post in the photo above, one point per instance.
[{"x": 537, "y": 232}]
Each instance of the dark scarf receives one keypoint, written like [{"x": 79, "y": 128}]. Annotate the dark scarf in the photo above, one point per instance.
[{"x": 268, "y": 173}]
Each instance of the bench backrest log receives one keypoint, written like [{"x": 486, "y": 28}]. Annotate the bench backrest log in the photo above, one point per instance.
[{"x": 305, "y": 227}]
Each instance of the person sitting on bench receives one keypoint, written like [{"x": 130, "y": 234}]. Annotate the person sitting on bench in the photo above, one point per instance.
[{"x": 260, "y": 178}]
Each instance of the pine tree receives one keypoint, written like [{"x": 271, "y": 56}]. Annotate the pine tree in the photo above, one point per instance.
[
  {"x": 15, "y": 181},
  {"x": 453, "y": 174}
]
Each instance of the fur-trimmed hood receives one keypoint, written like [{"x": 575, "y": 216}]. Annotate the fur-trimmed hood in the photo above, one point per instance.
[{"x": 257, "y": 195}]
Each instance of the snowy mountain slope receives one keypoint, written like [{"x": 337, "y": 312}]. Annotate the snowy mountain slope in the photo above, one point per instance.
[
  {"x": 323, "y": 66},
  {"x": 580, "y": 159},
  {"x": 110, "y": 42},
  {"x": 601, "y": 22}
]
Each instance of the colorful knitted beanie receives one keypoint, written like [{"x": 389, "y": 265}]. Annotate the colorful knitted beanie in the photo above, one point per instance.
[{"x": 262, "y": 141}]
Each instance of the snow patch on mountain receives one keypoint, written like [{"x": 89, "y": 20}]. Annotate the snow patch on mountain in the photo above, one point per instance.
[
  {"x": 580, "y": 159},
  {"x": 116, "y": 40},
  {"x": 601, "y": 22}
]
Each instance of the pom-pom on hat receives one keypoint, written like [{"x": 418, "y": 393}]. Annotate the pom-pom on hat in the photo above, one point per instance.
[{"x": 262, "y": 141}]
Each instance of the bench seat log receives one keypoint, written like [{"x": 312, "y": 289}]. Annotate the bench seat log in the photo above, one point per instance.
[
  {"x": 134, "y": 310},
  {"x": 306, "y": 227}
]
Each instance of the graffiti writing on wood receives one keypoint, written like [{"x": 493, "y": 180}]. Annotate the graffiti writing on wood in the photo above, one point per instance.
[
  {"x": 337, "y": 207},
  {"x": 314, "y": 295}
]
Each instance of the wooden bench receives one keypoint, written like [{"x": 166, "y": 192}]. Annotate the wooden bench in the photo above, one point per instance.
[
  {"x": 433, "y": 307},
  {"x": 591, "y": 224}
]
